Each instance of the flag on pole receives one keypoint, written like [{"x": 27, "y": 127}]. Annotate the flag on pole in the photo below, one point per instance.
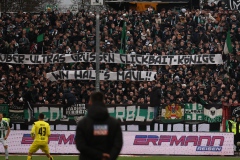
[
  {"x": 40, "y": 38},
  {"x": 123, "y": 39},
  {"x": 228, "y": 44}
]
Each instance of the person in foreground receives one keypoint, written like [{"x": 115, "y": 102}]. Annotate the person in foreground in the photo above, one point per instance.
[
  {"x": 98, "y": 136},
  {"x": 4, "y": 127},
  {"x": 40, "y": 133}
]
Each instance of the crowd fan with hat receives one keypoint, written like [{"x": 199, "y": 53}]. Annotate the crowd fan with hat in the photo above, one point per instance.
[{"x": 168, "y": 32}]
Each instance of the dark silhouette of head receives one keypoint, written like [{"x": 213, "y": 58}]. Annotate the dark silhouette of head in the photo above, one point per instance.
[
  {"x": 96, "y": 97},
  {"x": 41, "y": 116}
]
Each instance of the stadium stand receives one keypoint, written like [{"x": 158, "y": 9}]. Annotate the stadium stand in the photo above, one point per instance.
[{"x": 165, "y": 33}]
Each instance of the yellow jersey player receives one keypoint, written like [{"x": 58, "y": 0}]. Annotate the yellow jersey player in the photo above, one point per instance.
[
  {"x": 4, "y": 133},
  {"x": 40, "y": 133}
]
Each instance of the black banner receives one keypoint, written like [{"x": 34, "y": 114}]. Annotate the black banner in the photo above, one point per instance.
[
  {"x": 16, "y": 113},
  {"x": 76, "y": 110},
  {"x": 235, "y": 111}
]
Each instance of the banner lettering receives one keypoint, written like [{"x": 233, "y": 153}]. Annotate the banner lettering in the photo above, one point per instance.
[
  {"x": 139, "y": 143},
  {"x": 76, "y": 110},
  {"x": 127, "y": 114},
  {"x": 113, "y": 58},
  {"x": 232, "y": 4},
  {"x": 104, "y": 75}
]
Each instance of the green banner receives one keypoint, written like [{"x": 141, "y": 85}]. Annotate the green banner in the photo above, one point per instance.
[
  {"x": 172, "y": 113},
  {"x": 4, "y": 109},
  {"x": 193, "y": 112},
  {"x": 213, "y": 113},
  {"x": 134, "y": 114}
]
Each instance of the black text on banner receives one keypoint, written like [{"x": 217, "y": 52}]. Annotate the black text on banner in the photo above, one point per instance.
[
  {"x": 113, "y": 58},
  {"x": 108, "y": 76}
]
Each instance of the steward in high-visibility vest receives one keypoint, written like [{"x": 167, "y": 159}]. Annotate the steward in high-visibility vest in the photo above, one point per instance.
[{"x": 232, "y": 126}]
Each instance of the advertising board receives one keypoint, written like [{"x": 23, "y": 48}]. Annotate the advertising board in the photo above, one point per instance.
[{"x": 157, "y": 143}]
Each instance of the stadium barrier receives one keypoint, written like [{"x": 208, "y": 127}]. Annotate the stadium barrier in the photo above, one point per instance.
[
  {"x": 173, "y": 117},
  {"x": 140, "y": 143}
]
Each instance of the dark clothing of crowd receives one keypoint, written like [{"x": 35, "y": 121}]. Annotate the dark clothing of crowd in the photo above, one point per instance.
[
  {"x": 69, "y": 98},
  {"x": 168, "y": 32}
]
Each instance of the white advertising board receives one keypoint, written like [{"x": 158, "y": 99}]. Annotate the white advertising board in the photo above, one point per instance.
[
  {"x": 178, "y": 143},
  {"x": 173, "y": 143}
]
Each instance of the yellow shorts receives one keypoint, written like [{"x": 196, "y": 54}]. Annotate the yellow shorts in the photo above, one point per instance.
[{"x": 39, "y": 145}]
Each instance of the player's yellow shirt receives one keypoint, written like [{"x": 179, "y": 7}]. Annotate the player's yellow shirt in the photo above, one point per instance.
[{"x": 41, "y": 131}]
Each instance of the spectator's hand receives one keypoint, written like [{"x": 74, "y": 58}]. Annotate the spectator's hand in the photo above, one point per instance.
[{"x": 105, "y": 156}]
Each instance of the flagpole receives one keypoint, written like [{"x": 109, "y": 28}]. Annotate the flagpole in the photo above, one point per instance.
[{"x": 97, "y": 82}]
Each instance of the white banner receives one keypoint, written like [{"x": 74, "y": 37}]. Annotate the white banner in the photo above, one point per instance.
[
  {"x": 113, "y": 58},
  {"x": 178, "y": 143},
  {"x": 172, "y": 143},
  {"x": 104, "y": 75}
]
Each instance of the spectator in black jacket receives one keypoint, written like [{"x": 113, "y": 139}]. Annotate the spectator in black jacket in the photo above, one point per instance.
[
  {"x": 98, "y": 136},
  {"x": 68, "y": 99},
  {"x": 155, "y": 99}
]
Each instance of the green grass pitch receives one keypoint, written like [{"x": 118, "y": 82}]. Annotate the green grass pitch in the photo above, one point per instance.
[{"x": 130, "y": 157}]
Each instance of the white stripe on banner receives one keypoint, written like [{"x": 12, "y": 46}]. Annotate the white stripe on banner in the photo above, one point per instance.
[
  {"x": 194, "y": 115},
  {"x": 142, "y": 143},
  {"x": 113, "y": 58}
]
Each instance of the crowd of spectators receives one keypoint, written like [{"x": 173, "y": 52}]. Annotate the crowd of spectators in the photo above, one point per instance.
[{"x": 168, "y": 32}]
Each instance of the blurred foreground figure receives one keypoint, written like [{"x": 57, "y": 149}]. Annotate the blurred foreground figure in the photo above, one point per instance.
[{"x": 98, "y": 136}]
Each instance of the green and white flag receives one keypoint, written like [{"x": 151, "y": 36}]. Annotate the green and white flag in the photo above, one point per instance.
[
  {"x": 193, "y": 112},
  {"x": 213, "y": 113},
  {"x": 228, "y": 44}
]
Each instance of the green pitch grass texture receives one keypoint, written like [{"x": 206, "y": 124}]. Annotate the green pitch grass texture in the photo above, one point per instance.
[{"x": 130, "y": 158}]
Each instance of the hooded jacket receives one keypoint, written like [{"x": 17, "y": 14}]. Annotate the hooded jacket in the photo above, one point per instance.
[
  {"x": 67, "y": 95},
  {"x": 155, "y": 97},
  {"x": 98, "y": 133}
]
